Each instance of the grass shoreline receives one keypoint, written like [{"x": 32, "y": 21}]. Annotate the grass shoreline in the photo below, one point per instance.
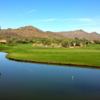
[
  {"x": 82, "y": 57},
  {"x": 50, "y": 63}
]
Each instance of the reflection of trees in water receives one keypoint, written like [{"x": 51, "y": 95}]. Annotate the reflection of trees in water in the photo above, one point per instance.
[{"x": 0, "y": 74}]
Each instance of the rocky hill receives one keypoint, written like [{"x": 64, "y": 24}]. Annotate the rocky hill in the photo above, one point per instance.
[
  {"x": 33, "y": 32},
  {"x": 80, "y": 34}
]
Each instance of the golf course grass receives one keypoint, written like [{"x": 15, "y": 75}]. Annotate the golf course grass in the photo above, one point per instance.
[{"x": 88, "y": 56}]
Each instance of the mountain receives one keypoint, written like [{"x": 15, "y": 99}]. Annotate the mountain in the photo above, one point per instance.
[
  {"x": 27, "y": 32},
  {"x": 80, "y": 34},
  {"x": 33, "y": 32}
]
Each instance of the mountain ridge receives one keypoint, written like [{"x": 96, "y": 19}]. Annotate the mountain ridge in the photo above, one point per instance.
[{"x": 33, "y": 32}]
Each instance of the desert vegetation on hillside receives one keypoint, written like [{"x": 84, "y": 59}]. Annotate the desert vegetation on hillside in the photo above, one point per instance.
[{"x": 37, "y": 37}]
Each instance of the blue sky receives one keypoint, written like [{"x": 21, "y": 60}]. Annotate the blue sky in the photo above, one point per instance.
[{"x": 51, "y": 15}]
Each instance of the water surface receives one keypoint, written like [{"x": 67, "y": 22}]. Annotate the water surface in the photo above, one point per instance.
[{"x": 27, "y": 81}]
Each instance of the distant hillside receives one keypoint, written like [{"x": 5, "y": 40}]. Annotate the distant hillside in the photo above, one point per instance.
[
  {"x": 27, "y": 32},
  {"x": 33, "y": 32},
  {"x": 80, "y": 34}
]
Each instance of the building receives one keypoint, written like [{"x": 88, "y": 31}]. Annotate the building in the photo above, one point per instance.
[{"x": 3, "y": 41}]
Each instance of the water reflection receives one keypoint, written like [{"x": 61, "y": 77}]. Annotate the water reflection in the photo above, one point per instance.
[
  {"x": 0, "y": 75},
  {"x": 26, "y": 81},
  {"x": 72, "y": 78}
]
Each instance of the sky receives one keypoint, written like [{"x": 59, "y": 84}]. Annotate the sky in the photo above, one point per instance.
[{"x": 51, "y": 15}]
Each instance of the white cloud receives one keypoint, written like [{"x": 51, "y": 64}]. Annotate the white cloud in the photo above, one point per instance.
[
  {"x": 64, "y": 20},
  {"x": 47, "y": 20},
  {"x": 68, "y": 20},
  {"x": 77, "y": 20},
  {"x": 85, "y": 19},
  {"x": 31, "y": 11},
  {"x": 27, "y": 12}
]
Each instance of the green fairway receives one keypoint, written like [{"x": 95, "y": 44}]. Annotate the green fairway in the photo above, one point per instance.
[{"x": 89, "y": 56}]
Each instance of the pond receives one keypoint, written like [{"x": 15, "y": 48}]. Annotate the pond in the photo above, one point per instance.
[{"x": 27, "y": 81}]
